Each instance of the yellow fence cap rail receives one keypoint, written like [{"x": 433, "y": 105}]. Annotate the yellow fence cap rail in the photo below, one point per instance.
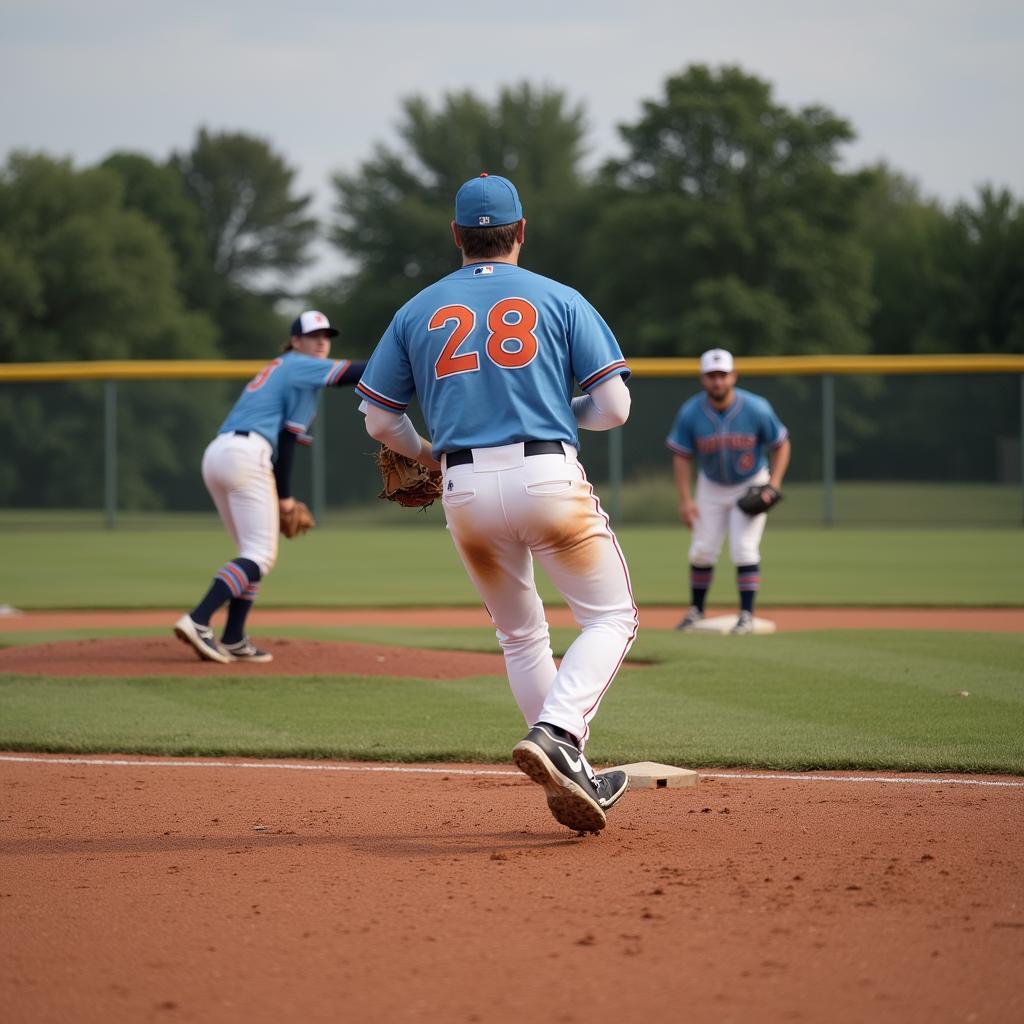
[
  {"x": 752, "y": 366},
  {"x": 134, "y": 369}
]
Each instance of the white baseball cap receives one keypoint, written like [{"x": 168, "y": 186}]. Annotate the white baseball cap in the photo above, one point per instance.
[
  {"x": 310, "y": 321},
  {"x": 716, "y": 360}
]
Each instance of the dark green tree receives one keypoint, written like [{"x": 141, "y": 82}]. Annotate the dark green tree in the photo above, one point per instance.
[
  {"x": 729, "y": 223},
  {"x": 257, "y": 235},
  {"x": 158, "y": 192},
  {"x": 906, "y": 236},
  {"x": 393, "y": 214},
  {"x": 255, "y": 227},
  {"x": 85, "y": 279},
  {"x": 984, "y": 273}
]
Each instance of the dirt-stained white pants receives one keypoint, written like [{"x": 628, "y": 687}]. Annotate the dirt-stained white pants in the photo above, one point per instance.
[
  {"x": 717, "y": 513},
  {"x": 239, "y": 475},
  {"x": 505, "y": 509}
]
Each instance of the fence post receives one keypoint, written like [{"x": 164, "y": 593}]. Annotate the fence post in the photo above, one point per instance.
[
  {"x": 615, "y": 472},
  {"x": 828, "y": 446},
  {"x": 1022, "y": 449},
  {"x": 110, "y": 452},
  {"x": 320, "y": 461}
]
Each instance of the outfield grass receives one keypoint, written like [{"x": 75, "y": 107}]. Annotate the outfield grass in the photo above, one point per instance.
[
  {"x": 830, "y": 699},
  {"x": 53, "y": 566}
]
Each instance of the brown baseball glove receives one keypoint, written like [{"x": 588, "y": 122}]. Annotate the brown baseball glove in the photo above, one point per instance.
[
  {"x": 297, "y": 520},
  {"x": 407, "y": 481}
]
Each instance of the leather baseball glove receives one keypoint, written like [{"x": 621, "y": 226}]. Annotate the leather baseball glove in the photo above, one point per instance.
[
  {"x": 298, "y": 519},
  {"x": 759, "y": 499},
  {"x": 407, "y": 481}
]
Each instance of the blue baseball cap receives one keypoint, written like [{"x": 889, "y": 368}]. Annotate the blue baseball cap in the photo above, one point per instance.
[{"x": 487, "y": 202}]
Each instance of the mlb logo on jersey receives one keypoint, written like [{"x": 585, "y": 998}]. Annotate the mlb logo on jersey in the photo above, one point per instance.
[{"x": 486, "y": 269}]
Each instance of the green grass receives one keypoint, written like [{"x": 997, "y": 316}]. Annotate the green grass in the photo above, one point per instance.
[
  {"x": 830, "y": 699},
  {"x": 414, "y": 563},
  {"x": 652, "y": 499}
]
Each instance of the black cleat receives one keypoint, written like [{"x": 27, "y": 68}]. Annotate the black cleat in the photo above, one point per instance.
[
  {"x": 246, "y": 650},
  {"x": 576, "y": 796}
]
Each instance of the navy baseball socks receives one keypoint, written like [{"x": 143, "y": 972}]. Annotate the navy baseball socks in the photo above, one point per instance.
[
  {"x": 236, "y": 582},
  {"x": 700, "y": 582},
  {"x": 577, "y": 797},
  {"x": 748, "y": 582}
]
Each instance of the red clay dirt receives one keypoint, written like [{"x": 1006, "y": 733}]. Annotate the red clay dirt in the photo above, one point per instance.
[
  {"x": 787, "y": 619},
  {"x": 216, "y": 891},
  {"x": 206, "y": 893},
  {"x": 165, "y": 656}
]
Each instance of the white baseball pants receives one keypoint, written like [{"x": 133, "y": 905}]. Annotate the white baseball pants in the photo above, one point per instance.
[
  {"x": 717, "y": 514},
  {"x": 239, "y": 475},
  {"x": 505, "y": 509}
]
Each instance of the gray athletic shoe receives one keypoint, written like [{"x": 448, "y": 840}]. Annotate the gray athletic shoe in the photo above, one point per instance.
[
  {"x": 576, "y": 796},
  {"x": 201, "y": 639},
  {"x": 246, "y": 650},
  {"x": 744, "y": 625},
  {"x": 690, "y": 619}
]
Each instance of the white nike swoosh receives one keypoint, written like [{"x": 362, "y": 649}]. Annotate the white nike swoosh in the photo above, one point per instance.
[{"x": 576, "y": 766}]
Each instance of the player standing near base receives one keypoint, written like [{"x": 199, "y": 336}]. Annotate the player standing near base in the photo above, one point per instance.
[
  {"x": 492, "y": 351},
  {"x": 247, "y": 470},
  {"x": 737, "y": 441}
]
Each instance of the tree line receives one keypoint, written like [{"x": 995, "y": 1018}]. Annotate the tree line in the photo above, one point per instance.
[{"x": 728, "y": 220}]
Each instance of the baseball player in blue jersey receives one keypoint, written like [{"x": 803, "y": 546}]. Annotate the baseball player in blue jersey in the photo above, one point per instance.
[
  {"x": 736, "y": 441},
  {"x": 247, "y": 470},
  {"x": 493, "y": 352}
]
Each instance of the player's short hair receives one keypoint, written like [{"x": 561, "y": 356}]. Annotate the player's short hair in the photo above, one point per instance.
[{"x": 486, "y": 243}]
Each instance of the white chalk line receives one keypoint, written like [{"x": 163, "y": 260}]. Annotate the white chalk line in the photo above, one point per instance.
[{"x": 410, "y": 770}]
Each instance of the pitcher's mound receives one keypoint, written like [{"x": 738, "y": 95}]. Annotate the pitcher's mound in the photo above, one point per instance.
[{"x": 166, "y": 656}]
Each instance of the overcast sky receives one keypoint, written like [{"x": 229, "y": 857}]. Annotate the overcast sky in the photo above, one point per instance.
[{"x": 934, "y": 88}]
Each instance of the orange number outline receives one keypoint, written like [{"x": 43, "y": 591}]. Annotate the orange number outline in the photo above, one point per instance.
[{"x": 261, "y": 378}]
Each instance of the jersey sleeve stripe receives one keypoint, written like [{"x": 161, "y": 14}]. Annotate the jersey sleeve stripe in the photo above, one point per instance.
[
  {"x": 678, "y": 448},
  {"x": 605, "y": 371},
  {"x": 295, "y": 428},
  {"x": 780, "y": 440},
  {"x": 340, "y": 366},
  {"x": 378, "y": 399}
]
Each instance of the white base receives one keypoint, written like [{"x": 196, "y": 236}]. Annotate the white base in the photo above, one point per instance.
[
  {"x": 724, "y": 623},
  {"x": 651, "y": 775}
]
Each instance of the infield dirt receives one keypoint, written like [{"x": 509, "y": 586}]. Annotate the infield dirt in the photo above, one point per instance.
[
  {"x": 206, "y": 892},
  {"x": 215, "y": 891}
]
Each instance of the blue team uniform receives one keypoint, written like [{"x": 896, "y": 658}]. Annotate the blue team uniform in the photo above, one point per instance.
[
  {"x": 492, "y": 351},
  {"x": 730, "y": 446},
  {"x": 283, "y": 396}
]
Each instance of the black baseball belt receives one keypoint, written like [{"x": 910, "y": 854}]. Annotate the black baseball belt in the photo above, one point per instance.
[{"x": 465, "y": 455}]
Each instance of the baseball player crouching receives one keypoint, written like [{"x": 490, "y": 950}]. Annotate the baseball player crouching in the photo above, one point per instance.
[
  {"x": 247, "y": 470},
  {"x": 736, "y": 441},
  {"x": 492, "y": 352}
]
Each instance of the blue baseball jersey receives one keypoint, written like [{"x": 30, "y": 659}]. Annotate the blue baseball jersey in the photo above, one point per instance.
[
  {"x": 283, "y": 396},
  {"x": 730, "y": 446},
  {"x": 492, "y": 351}
]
